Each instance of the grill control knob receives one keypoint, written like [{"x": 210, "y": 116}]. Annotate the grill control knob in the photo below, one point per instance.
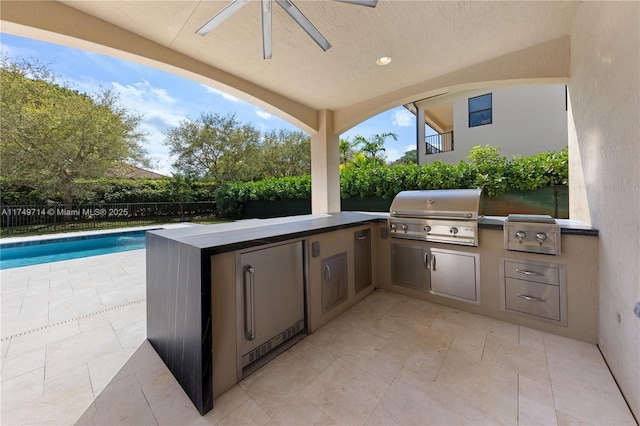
[
  {"x": 404, "y": 227},
  {"x": 393, "y": 226},
  {"x": 427, "y": 228},
  {"x": 453, "y": 230},
  {"x": 521, "y": 235},
  {"x": 541, "y": 237}
]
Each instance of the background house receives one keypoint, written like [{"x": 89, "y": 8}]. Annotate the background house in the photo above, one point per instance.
[{"x": 521, "y": 119}]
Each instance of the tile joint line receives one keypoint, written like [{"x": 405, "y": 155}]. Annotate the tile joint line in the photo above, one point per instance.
[{"x": 79, "y": 317}]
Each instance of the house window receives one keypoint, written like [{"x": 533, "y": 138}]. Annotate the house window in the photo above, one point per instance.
[{"x": 480, "y": 110}]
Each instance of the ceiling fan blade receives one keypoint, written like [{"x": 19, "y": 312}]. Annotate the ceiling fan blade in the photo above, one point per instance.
[
  {"x": 368, "y": 3},
  {"x": 306, "y": 25},
  {"x": 266, "y": 28},
  {"x": 221, "y": 16}
]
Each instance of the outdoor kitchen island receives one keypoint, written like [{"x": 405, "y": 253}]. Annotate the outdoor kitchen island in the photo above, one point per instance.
[{"x": 194, "y": 285}]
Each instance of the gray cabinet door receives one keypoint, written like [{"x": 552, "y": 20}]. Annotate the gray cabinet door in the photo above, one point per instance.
[
  {"x": 362, "y": 258},
  {"x": 410, "y": 266},
  {"x": 273, "y": 287},
  {"x": 334, "y": 281},
  {"x": 455, "y": 274}
]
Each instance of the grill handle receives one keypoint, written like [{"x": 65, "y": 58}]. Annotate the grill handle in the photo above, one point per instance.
[{"x": 422, "y": 215}]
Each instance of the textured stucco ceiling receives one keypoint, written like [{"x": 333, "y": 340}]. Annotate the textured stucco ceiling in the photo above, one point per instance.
[{"x": 426, "y": 39}]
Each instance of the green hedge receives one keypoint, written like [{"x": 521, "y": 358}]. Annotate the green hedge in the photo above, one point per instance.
[
  {"x": 230, "y": 197},
  {"x": 485, "y": 169},
  {"x": 115, "y": 191}
]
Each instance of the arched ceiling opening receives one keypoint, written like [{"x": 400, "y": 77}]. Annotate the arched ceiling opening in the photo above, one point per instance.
[{"x": 435, "y": 46}]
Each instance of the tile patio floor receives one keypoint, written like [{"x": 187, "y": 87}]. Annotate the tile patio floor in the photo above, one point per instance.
[{"x": 74, "y": 352}]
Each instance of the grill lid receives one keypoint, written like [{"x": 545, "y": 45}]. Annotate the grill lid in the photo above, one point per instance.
[{"x": 442, "y": 204}]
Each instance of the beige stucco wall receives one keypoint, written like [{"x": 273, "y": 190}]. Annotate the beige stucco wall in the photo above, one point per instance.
[
  {"x": 331, "y": 244},
  {"x": 526, "y": 120},
  {"x": 604, "y": 146}
]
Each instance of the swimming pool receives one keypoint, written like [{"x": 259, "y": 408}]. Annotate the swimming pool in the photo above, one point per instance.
[{"x": 13, "y": 255}]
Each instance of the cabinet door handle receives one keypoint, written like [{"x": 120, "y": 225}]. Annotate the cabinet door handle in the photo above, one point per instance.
[
  {"x": 524, "y": 271},
  {"x": 249, "y": 303},
  {"x": 426, "y": 259},
  {"x": 530, "y": 298},
  {"x": 327, "y": 273},
  {"x": 433, "y": 262},
  {"x": 362, "y": 237}
]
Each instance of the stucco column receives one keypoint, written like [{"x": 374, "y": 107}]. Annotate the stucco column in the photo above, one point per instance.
[
  {"x": 421, "y": 133},
  {"x": 325, "y": 166}
]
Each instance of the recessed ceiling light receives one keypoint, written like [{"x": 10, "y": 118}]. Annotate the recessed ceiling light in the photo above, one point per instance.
[{"x": 383, "y": 60}]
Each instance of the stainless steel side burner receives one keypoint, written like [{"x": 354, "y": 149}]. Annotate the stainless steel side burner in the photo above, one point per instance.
[{"x": 532, "y": 234}]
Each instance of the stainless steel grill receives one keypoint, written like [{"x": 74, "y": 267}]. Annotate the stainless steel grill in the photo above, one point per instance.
[{"x": 444, "y": 216}]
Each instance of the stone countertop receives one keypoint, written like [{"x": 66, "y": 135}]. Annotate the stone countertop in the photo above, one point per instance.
[
  {"x": 567, "y": 226},
  {"x": 225, "y": 237}
]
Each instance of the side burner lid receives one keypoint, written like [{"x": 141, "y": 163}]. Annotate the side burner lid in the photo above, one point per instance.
[{"x": 531, "y": 218}]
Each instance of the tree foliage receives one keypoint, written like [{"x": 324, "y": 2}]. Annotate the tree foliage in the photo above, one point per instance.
[
  {"x": 409, "y": 157},
  {"x": 222, "y": 149},
  {"x": 285, "y": 153},
  {"x": 374, "y": 146},
  {"x": 216, "y": 147},
  {"x": 51, "y": 136},
  {"x": 347, "y": 152}
]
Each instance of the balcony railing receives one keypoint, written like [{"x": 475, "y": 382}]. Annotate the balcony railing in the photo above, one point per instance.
[{"x": 442, "y": 142}]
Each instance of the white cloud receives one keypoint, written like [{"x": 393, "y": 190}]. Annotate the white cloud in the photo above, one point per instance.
[
  {"x": 393, "y": 154},
  {"x": 163, "y": 95},
  {"x": 155, "y": 104},
  {"x": 16, "y": 52},
  {"x": 161, "y": 163},
  {"x": 263, "y": 114},
  {"x": 144, "y": 90},
  {"x": 409, "y": 148},
  {"x": 403, "y": 118},
  {"x": 221, "y": 93},
  {"x": 159, "y": 114}
]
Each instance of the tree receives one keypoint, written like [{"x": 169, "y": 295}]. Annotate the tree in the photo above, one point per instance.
[
  {"x": 285, "y": 153},
  {"x": 215, "y": 147},
  {"x": 409, "y": 157},
  {"x": 51, "y": 135},
  {"x": 346, "y": 151},
  {"x": 374, "y": 145}
]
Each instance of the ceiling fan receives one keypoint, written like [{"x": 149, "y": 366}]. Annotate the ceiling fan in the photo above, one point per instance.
[{"x": 265, "y": 7}]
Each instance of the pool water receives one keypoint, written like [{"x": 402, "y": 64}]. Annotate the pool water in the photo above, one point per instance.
[{"x": 13, "y": 255}]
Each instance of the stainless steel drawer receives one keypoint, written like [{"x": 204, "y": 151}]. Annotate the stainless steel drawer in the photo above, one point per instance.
[
  {"x": 529, "y": 272},
  {"x": 541, "y": 300}
]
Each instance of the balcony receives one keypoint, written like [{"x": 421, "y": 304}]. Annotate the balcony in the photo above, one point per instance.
[{"x": 438, "y": 143}]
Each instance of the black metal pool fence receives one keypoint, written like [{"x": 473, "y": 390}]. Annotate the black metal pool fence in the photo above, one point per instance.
[{"x": 35, "y": 218}]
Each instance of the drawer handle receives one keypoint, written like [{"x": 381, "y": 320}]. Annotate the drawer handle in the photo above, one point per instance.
[
  {"x": 524, "y": 271},
  {"x": 531, "y": 298}
]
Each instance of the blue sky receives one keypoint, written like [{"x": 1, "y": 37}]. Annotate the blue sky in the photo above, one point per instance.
[{"x": 164, "y": 100}]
